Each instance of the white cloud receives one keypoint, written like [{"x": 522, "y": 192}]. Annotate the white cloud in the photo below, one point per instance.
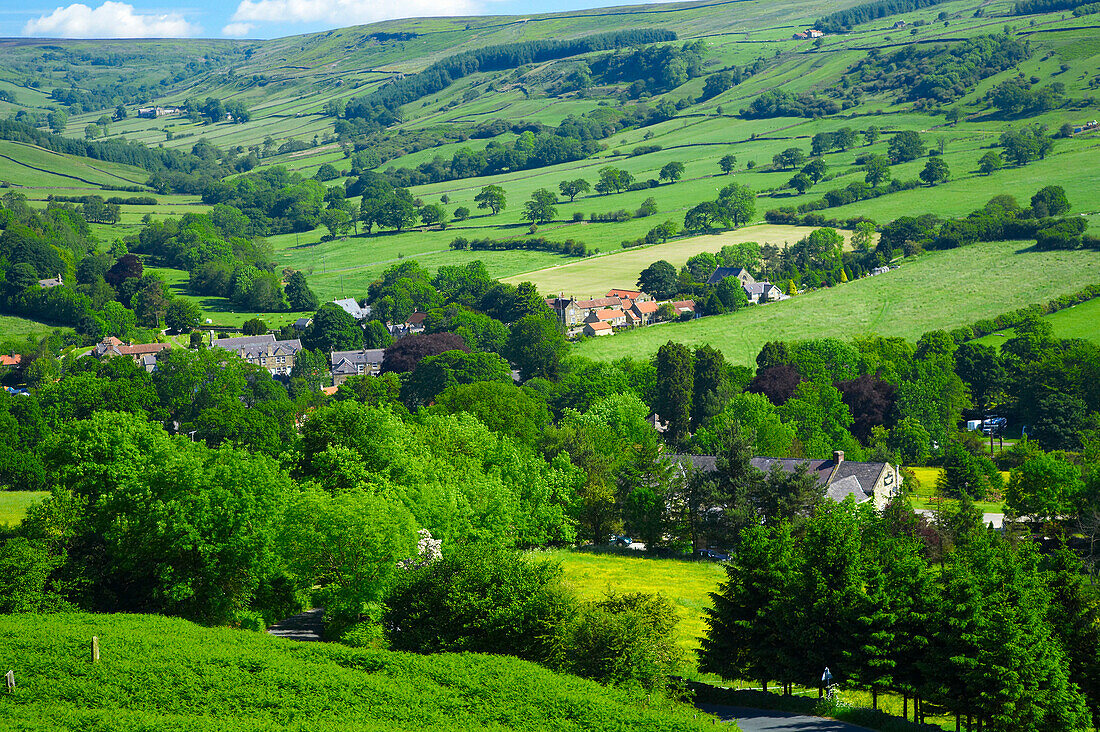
[
  {"x": 237, "y": 30},
  {"x": 109, "y": 20},
  {"x": 346, "y": 12}
]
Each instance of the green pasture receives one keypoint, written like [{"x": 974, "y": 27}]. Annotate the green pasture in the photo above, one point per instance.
[
  {"x": 936, "y": 290},
  {"x": 1079, "y": 321},
  {"x": 15, "y": 328},
  {"x": 593, "y": 276},
  {"x": 164, "y": 673},
  {"x": 14, "y": 505},
  {"x": 925, "y": 495},
  {"x": 686, "y": 583}
]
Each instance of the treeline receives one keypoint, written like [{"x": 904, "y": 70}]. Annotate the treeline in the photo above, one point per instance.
[
  {"x": 114, "y": 200},
  {"x": 1020, "y": 316},
  {"x": 223, "y": 260},
  {"x": 1034, "y": 7},
  {"x": 274, "y": 200},
  {"x": 153, "y": 159},
  {"x": 1001, "y": 219},
  {"x": 652, "y": 69},
  {"x": 783, "y": 103},
  {"x": 844, "y": 20},
  {"x": 568, "y": 247},
  {"x": 938, "y": 73},
  {"x": 998, "y": 632},
  {"x": 537, "y": 145},
  {"x": 383, "y": 103}
]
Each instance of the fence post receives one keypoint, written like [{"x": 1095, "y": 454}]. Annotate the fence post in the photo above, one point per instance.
[
  {"x": 9, "y": 677},
  {"x": 95, "y": 649}
]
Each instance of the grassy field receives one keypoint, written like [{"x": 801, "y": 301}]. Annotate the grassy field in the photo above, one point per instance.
[
  {"x": 14, "y": 504},
  {"x": 594, "y": 276},
  {"x": 686, "y": 583},
  {"x": 926, "y": 496},
  {"x": 159, "y": 673},
  {"x": 1079, "y": 321},
  {"x": 14, "y": 328},
  {"x": 937, "y": 290}
]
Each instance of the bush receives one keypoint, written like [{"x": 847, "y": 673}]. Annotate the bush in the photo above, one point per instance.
[{"x": 482, "y": 599}]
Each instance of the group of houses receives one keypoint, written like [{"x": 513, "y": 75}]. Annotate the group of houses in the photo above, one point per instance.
[
  {"x": 154, "y": 112},
  {"x": 618, "y": 309},
  {"x": 808, "y": 33}
]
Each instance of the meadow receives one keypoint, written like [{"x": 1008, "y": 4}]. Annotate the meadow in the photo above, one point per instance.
[
  {"x": 686, "y": 583},
  {"x": 1079, "y": 321},
  {"x": 14, "y": 505},
  {"x": 168, "y": 674},
  {"x": 593, "y": 276},
  {"x": 938, "y": 290}
]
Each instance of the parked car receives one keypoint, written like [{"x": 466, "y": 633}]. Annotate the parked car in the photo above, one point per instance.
[
  {"x": 712, "y": 554},
  {"x": 617, "y": 540}
]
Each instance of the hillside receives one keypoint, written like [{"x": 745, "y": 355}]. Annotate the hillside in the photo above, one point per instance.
[
  {"x": 161, "y": 673},
  {"x": 340, "y": 105},
  {"x": 939, "y": 290}
]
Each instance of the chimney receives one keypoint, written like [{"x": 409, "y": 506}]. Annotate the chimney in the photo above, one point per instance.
[{"x": 838, "y": 457}]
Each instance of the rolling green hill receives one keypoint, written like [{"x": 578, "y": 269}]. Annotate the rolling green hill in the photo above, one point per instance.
[
  {"x": 290, "y": 86},
  {"x": 938, "y": 290},
  {"x": 167, "y": 674}
]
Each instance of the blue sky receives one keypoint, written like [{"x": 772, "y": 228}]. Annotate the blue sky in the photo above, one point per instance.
[{"x": 242, "y": 18}]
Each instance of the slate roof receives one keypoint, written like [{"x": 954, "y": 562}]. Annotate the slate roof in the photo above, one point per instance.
[
  {"x": 723, "y": 272},
  {"x": 599, "y": 302},
  {"x": 354, "y": 362},
  {"x": 350, "y": 306},
  {"x": 302, "y": 323},
  {"x": 849, "y": 478},
  {"x": 238, "y": 342}
]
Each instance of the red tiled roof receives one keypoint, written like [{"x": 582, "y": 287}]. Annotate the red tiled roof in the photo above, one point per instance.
[
  {"x": 680, "y": 304},
  {"x": 416, "y": 318},
  {"x": 142, "y": 348},
  {"x": 11, "y": 360},
  {"x": 600, "y": 302},
  {"x": 599, "y": 325},
  {"x": 646, "y": 307},
  {"x": 628, "y": 294},
  {"x": 609, "y": 314}
]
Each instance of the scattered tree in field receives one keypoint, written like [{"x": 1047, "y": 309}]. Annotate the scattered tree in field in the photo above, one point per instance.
[
  {"x": 800, "y": 182},
  {"x": 1049, "y": 201},
  {"x": 461, "y": 213},
  {"x": 574, "y": 188},
  {"x": 935, "y": 171},
  {"x": 905, "y": 146},
  {"x": 541, "y": 208},
  {"x": 990, "y": 162},
  {"x": 702, "y": 216},
  {"x": 727, "y": 163},
  {"x": 433, "y": 214},
  {"x": 736, "y": 204},
  {"x": 491, "y": 197},
  {"x": 870, "y": 135},
  {"x": 672, "y": 172},
  {"x": 613, "y": 180},
  {"x": 792, "y": 157},
  {"x": 816, "y": 169},
  {"x": 877, "y": 168}
]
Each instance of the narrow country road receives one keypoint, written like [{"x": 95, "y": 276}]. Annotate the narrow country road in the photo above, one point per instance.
[
  {"x": 307, "y": 626},
  {"x": 762, "y": 720}
]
